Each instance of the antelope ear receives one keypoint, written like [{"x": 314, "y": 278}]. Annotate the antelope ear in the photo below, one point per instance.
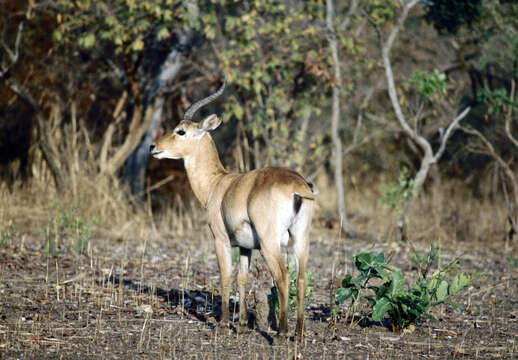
[{"x": 210, "y": 123}]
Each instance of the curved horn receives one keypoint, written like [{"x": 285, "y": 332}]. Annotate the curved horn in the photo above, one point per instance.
[{"x": 189, "y": 113}]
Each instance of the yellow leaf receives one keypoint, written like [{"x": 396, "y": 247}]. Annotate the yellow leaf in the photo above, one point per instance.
[
  {"x": 137, "y": 45},
  {"x": 210, "y": 32},
  {"x": 163, "y": 33}
]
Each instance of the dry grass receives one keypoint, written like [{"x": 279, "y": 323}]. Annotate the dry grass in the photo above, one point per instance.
[
  {"x": 451, "y": 213},
  {"x": 147, "y": 285},
  {"x": 117, "y": 215}
]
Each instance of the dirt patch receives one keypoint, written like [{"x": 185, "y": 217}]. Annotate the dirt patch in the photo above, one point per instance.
[{"x": 159, "y": 300}]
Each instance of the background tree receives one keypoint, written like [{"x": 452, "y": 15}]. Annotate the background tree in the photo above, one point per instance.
[
  {"x": 485, "y": 39},
  {"x": 429, "y": 85},
  {"x": 96, "y": 80},
  {"x": 20, "y": 30},
  {"x": 273, "y": 57},
  {"x": 141, "y": 45}
]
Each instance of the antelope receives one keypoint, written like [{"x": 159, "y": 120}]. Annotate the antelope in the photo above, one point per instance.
[{"x": 261, "y": 209}]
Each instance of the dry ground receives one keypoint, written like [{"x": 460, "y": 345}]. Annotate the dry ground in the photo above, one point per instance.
[{"x": 139, "y": 299}]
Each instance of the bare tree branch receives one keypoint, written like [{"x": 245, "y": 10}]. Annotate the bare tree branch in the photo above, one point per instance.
[
  {"x": 352, "y": 10},
  {"x": 429, "y": 157},
  {"x": 13, "y": 54},
  {"x": 108, "y": 135},
  {"x": 357, "y": 144},
  {"x": 488, "y": 149},
  {"x": 385, "y": 52},
  {"x": 136, "y": 163},
  {"x": 139, "y": 124},
  {"x": 448, "y": 133}
]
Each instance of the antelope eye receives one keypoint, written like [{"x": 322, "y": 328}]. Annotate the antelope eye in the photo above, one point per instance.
[{"x": 180, "y": 132}]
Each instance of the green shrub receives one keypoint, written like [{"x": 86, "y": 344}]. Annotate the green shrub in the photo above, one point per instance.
[
  {"x": 389, "y": 295},
  {"x": 66, "y": 231},
  {"x": 395, "y": 195},
  {"x": 497, "y": 100},
  {"x": 429, "y": 84},
  {"x": 8, "y": 234}
]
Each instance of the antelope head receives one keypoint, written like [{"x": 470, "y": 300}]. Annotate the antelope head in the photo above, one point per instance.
[
  {"x": 186, "y": 135},
  {"x": 178, "y": 143}
]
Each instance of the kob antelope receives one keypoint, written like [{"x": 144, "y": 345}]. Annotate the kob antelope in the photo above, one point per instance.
[{"x": 261, "y": 209}]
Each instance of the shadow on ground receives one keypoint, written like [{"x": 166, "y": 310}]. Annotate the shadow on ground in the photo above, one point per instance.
[{"x": 204, "y": 306}]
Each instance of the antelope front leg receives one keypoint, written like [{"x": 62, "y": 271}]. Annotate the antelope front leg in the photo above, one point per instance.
[
  {"x": 224, "y": 255},
  {"x": 244, "y": 264}
]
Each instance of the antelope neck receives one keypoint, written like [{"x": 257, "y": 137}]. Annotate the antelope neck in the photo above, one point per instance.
[{"x": 204, "y": 169}]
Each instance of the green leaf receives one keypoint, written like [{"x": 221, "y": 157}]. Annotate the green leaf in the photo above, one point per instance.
[
  {"x": 382, "y": 273},
  {"x": 380, "y": 258},
  {"x": 163, "y": 33},
  {"x": 210, "y": 32},
  {"x": 433, "y": 284},
  {"x": 57, "y": 35},
  {"x": 381, "y": 307},
  {"x": 118, "y": 40},
  {"x": 382, "y": 290},
  {"x": 459, "y": 282},
  {"x": 342, "y": 294},
  {"x": 258, "y": 87},
  {"x": 360, "y": 278},
  {"x": 396, "y": 286},
  {"x": 87, "y": 41},
  {"x": 372, "y": 265},
  {"x": 347, "y": 281},
  {"x": 238, "y": 111},
  {"x": 371, "y": 300},
  {"x": 442, "y": 291},
  {"x": 365, "y": 261}
]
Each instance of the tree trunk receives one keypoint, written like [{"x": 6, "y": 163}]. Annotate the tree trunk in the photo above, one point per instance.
[
  {"x": 419, "y": 180},
  {"x": 135, "y": 167},
  {"x": 51, "y": 159},
  {"x": 335, "y": 118}
]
